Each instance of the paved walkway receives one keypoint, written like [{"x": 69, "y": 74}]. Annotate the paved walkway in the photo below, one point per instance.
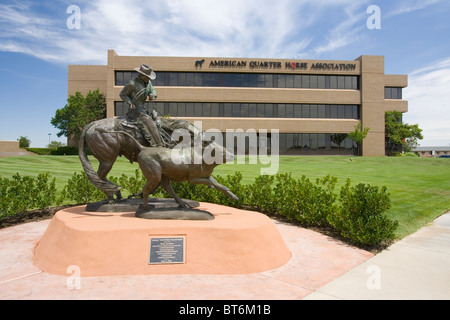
[{"x": 417, "y": 267}]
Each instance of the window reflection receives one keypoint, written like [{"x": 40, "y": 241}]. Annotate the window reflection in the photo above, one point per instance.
[
  {"x": 393, "y": 93},
  {"x": 251, "y": 110},
  {"x": 252, "y": 80},
  {"x": 316, "y": 143}
]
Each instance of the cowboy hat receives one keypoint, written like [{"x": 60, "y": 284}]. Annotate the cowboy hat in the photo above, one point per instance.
[{"x": 147, "y": 71}]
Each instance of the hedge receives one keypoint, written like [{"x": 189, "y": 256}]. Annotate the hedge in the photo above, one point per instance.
[
  {"x": 60, "y": 151},
  {"x": 21, "y": 194},
  {"x": 355, "y": 212}
]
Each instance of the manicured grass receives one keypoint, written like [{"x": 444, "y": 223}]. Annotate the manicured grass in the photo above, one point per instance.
[{"x": 419, "y": 187}]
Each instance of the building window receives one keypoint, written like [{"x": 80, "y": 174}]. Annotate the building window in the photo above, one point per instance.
[
  {"x": 316, "y": 143},
  {"x": 288, "y": 143},
  {"x": 246, "y": 80},
  {"x": 123, "y": 77},
  {"x": 393, "y": 93},
  {"x": 249, "y": 110}
]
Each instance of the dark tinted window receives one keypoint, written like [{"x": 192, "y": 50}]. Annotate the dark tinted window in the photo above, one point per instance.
[{"x": 252, "y": 80}]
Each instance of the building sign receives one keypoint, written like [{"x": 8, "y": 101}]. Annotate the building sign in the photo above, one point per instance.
[
  {"x": 334, "y": 66},
  {"x": 276, "y": 65}
]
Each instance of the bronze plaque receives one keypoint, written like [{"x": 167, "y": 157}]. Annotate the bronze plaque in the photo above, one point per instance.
[{"x": 167, "y": 249}]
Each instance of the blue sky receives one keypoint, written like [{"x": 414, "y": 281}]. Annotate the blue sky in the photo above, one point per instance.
[{"x": 36, "y": 47}]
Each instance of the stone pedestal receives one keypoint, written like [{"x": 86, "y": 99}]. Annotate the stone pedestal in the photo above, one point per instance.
[{"x": 119, "y": 243}]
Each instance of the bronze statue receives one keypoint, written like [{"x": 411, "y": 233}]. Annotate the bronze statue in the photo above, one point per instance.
[
  {"x": 159, "y": 168},
  {"x": 147, "y": 140},
  {"x": 135, "y": 94},
  {"x": 106, "y": 146}
]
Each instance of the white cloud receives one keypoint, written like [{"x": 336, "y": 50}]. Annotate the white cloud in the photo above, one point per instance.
[
  {"x": 348, "y": 31},
  {"x": 408, "y": 6},
  {"x": 222, "y": 28},
  {"x": 226, "y": 28},
  {"x": 428, "y": 96}
]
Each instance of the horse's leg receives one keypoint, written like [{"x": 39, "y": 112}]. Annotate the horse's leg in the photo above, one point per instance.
[
  {"x": 168, "y": 187},
  {"x": 103, "y": 169},
  {"x": 152, "y": 172},
  {"x": 213, "y": 182},
  {"x": 149, "y": 187}
]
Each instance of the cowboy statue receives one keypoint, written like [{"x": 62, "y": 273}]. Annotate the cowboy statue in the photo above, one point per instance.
[
  {"x": 102, "y": 137},
  {"x": 135, "y": 93}
]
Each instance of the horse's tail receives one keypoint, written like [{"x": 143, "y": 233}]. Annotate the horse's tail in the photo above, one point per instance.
[{"x": 106, "y": 186}]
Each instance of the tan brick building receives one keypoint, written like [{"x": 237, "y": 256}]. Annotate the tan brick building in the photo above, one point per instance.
[{"x": 310, "y": 102}]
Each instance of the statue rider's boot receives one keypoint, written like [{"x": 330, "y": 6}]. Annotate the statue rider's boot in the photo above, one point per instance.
[
  {"x": 151, "y": 132},
  {"x": 148, "y": 136}
]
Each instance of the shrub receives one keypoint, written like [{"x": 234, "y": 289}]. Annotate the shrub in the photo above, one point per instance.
[
  {"x": 234, "y": 184},
  {"x": 356, "y": 212},
  {"x": 189, "y": 191},
  {"x": 204, "y": 193},
  {"x": 44, "y": 194},
  {"x": 304, "y": 201},
  {"x": 360, "y": 215},
  {"x": 4, "y": 201},
  {"x": 260, "y": 194},
  {"x": 80, "y": 189},
  {"x": 411, "y": 154},
  {"x": 21, "y": 194},
  {"x": 64, "y": 151},
  {"x": 41, "y": 151},
  {"x": 324, "y": 200},
  {"x": 133, "y": 184},
  {"x": 284, "y": 191}
]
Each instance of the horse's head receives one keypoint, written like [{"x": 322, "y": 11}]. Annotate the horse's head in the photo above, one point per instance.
[{"x": 214, "y": 153}]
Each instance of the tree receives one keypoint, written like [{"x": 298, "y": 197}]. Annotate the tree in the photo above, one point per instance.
[
  {"x": 400, "y": 134},
  {"x": 78, "y": 112},
  {"x": 359, "y": 135},
  {"x": 24, "y": 142},
  {"x": 55, "y": 144},
  {"x": 338, "y": 138}
]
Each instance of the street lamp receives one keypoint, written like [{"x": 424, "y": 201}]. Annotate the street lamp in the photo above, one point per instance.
[{"x": 49, "y": 138}]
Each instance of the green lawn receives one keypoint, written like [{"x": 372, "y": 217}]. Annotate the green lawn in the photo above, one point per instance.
[{"x": 419, "y": 187}]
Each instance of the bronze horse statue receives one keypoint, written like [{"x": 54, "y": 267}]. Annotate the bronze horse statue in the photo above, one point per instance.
[
  {"x": 161, "y": 165},
  {"x": 105, "y": 145}
]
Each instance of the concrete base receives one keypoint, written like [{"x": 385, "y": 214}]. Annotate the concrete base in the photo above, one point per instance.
[{"x": 112, "y": 244}]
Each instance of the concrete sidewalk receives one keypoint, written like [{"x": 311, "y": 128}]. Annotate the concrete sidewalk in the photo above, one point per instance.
[
  {"x": 415, "y": 268},
  {"x": 418, "y": 267}
]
